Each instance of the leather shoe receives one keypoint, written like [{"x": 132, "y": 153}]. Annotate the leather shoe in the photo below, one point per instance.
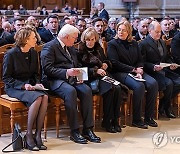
[
  {"x": 150, "y": 122},
  {"x": 118, "y": 128},
  {"x": 140, "y": 124},
  {"x": 89, "y": 135},
  {"x": 77, "y": 137},
  {"x": 169, "y": 114},
  {"x": 111, "y": 129}
]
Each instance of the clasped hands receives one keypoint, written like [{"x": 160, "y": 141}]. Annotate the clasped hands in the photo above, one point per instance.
[
  {"x": 139, "y": 72},
  {"x": 30, "y": 87}
]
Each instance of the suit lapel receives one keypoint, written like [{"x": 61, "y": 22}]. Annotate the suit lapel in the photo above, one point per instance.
[
  {"x": 153, "y": 45},
  {"x": 62, "y": 50}
]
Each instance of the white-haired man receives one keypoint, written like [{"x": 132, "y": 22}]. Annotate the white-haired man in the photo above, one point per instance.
[{"x": 60, "y": 68}]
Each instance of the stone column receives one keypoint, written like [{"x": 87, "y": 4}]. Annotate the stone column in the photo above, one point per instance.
[
  {"x": 146, "y": 8},
  {"x": 170, "y": 7},
  {"x": 115, "y": 8}
]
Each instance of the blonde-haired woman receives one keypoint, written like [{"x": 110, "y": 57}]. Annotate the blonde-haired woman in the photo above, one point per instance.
[
  {"x": 125, "y": 56},
  {"x": 92, "y": 56},
  {"x": 20, "y": 75}
]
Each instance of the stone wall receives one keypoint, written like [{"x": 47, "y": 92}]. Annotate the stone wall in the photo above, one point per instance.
[{"x": 144, "y": 8}]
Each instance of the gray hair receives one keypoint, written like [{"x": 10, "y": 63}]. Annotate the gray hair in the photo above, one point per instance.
[
  {"x": 67, "y": 29},
  {"x": 152, "y": 25}
]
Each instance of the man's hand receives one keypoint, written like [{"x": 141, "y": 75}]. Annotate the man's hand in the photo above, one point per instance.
[
  {"x": 173, "y": 66},
  {"x": 101, "y": 72},
  {"x": 157, "y": 68},
  {"x": 73, "y": 72},
  {"x": 28, "y": 87}
]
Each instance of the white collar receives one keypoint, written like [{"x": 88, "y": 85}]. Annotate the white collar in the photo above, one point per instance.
[{"x": 62, "y": 44}]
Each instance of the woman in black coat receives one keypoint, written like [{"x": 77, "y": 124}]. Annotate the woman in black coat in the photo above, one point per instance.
[
  {"x": 91, "y": 55},
  {"x": 125, "y": 56},
  {"x": 20, "y": 75}
]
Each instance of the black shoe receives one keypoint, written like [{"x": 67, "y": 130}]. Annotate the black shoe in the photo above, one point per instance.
[
  {"x": 77, "y": 137},
  {"x": 111, "y": 129},
  {"x": 150, "y": 122},
  {"x": 39, "y": 143},
  {"x": 140, "y": 124},
  {"x": 27, "y": 146},
  {"x": 117, "y": 127},
  {"x": 89, "y": 135},
  {"x": 169, "y": 114}
]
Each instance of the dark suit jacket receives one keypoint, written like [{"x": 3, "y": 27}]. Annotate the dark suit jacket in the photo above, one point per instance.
[
  {"x": 41, "y": 13},
  {"x": 104, "y": 14},
  {"x": 8, "y": 40},
  {"x": 151, "y": 56},
  {"x": 175, "y": 48},
  {"x": 55, "y": 63},
  {"x": 46, "y": 36},
  {"x": 124, "y": 60}
]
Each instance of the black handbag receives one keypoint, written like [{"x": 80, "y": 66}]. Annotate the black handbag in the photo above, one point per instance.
[
  {"x": 95, "y": 86},
  {"x": 17, "y": 140}
]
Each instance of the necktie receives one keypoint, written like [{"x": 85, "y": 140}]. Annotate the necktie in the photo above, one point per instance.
[
  {"x": 67, "y": 52},
  {"x": 54, "y": 35}
]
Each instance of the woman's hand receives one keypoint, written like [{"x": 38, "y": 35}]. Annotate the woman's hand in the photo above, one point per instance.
[
  {"x": 101, "y": 72},
  {"x": 104, "y": 66},
  {"x": 28, "y": 87},
  {"x": 139, "y": 76},
  {"x": 157, "y": 68},
  {"x": 139, "y": 70}
]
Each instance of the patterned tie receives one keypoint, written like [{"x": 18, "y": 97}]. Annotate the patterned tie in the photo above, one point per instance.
[{"x": 54, "y": 35}]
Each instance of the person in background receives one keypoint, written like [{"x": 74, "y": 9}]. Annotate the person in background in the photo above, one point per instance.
[
  {"x": 102, "y": 11},
  {"x": 20, "y": 75},
  {"x": 44, "y": 11}
]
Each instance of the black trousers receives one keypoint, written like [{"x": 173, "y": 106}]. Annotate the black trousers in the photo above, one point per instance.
[
  {"x": 139, "y": 87},
  {"x": 69, "y": 94},
  {"x": 111, "y": 105}
]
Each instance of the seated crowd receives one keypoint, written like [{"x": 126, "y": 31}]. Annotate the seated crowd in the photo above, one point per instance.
[{"x": 107, "y": 47}]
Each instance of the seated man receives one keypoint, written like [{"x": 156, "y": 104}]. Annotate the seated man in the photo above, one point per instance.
[
  {"x": 60, "y": 68},
  {"x": 155, "y": 52}
]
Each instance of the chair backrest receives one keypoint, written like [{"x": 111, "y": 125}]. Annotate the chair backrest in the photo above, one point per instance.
[
  {"x": 6, "y": 47},
  {"x": 3, "y": 50}
]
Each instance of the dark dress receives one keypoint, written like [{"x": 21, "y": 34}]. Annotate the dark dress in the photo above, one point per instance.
[
  {"x": 19, "y": 69},
  {"x": 93, "y": 59}
]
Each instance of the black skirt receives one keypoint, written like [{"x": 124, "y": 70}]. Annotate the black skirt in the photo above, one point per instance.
[{"x": 26, "y": 96}]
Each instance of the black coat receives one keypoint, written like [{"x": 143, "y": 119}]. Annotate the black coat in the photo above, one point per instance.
[
  {"x": 124, "y": 60},
  {"x": 17, "y": 73},
  {"x": 93, "y": 59},
  {"x": 55, "y": 63}
]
